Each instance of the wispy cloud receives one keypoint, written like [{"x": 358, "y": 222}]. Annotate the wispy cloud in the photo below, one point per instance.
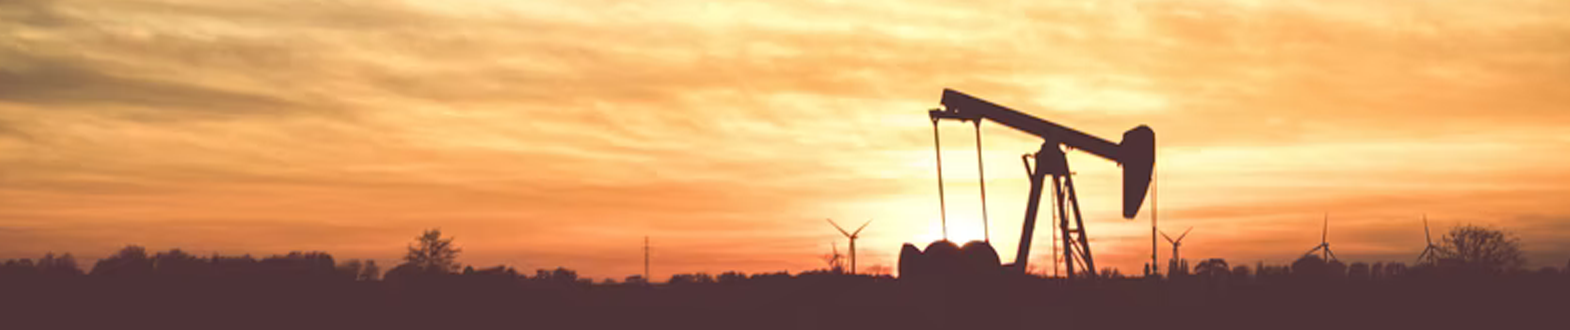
[{"x": 551, "y": 133}]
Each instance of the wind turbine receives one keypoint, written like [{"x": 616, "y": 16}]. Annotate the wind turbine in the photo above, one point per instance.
[
  {"x": 852, "y": 236},
  {"x": 1177, "y": 242},
  {"x": 834, "y": 259},
  {"x": 1428, "y": 252},
  {"x": 1324, "y": 242}
]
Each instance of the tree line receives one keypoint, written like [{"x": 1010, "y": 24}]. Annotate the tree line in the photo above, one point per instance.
[
  {"x": 1466, "y": 250},
  {"x": 429, "y": 288}
]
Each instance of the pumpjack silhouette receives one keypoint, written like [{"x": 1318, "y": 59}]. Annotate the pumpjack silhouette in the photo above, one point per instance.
[{"x": 1136, "y": 153}]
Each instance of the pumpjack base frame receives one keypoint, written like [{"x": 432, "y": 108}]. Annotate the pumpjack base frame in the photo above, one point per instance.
[{"x": 1050, "y": 161}]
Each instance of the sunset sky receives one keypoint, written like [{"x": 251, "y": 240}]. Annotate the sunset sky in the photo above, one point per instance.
[{"x": 560, "y": 133}]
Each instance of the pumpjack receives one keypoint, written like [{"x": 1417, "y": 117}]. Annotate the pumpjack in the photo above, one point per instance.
[{"x": 1136, "y": 153}]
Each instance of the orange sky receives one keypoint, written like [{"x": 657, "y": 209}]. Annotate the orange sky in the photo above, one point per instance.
[{"x": 546, "y": 134}]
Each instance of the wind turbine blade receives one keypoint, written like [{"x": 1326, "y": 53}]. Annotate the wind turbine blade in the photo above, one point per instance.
[
  {"x": 1331, "y": 253},
  {"x": 837, "y": 226},
  {"x": 1426, "y": 236},
  {"x": 863, "y": 226},
  {"x": 1324, "y": 235},
  {"x": 1169, "y": 238},
  {"x": 1185, "y": 234},
  {"x": 1316, "y": 248}
]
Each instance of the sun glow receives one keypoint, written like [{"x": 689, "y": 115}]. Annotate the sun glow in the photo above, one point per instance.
[{"x": 960, "y": 230}]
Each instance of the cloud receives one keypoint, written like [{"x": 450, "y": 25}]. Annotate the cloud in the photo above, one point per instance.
[
  {"x": 59, "y": 83},
  {"x": 11, "y": 130},
  {"x": 521, "y": 125},
  {"x": 40, "y": 13}
]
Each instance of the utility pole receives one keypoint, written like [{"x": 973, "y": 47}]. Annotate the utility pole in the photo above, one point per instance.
[
  {"x": 646, "y": 278},
  {"x": 1153, "y": 181}
]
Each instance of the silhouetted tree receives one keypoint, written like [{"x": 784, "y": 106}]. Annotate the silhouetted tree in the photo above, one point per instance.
[
  {"x": 1335, "y": 269},
  {"x": 1310, "y": 267},
  {"x": 313, "y": 264},
  {"x": 407, "y": 272},
  {"x": 780, "y": 275},
  {"x": 565, "y": 275},
  {"x": 1213, "y": 268},
  {"x": 1394, "y": 270},
  {"x": 561, "y": 276},
  {"x": 18, "y": 268},
  {"x": 732, "y": 277},
  {"x": 695, "y": 278},
  {"x": 431, "y": 252},
  {"x": 64, "y": 265},
  {"x": 1177, "y": 267},
  {"x": 178, "y": 263},
  {"x": 129, "y": 261},
  {"x": 498, "y": 274},
  {"x": 635, "y": 279},
  {"x": 1241, "y": 273},
  {"x": 233, "y": 266},
  {"x": 351, "y": 268},
  {"x": 1359, "y": 271},
  {"x": 1480, "y": 248}
]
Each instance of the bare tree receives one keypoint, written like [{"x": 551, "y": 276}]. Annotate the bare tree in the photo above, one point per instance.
[
  {"x": 1481, "y": 248},
  {"x": 430, "y": 252}
]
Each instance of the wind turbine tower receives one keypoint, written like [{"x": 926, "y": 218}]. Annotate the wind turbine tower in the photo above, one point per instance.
[
  {"x": 852, "y": 236},
  {"x": 1177, "y": 243}
]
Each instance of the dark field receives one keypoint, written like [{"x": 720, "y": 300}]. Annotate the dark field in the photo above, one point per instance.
[{"x": 501, "y": 300}]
